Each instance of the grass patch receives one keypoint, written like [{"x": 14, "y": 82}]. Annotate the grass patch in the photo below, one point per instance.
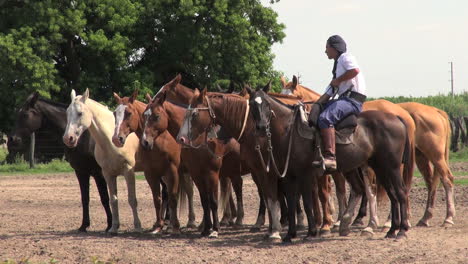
[
  {"x": 3, "y": 154},
  {"x": 22, "y": 167},
  {"x": 461, "y": 155}
]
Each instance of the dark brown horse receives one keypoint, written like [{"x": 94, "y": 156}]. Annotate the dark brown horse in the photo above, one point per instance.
[
  {"x": 161, "y": 158},
  {"x": 380, "y": 142},
  {"x": 31, "y": 117}
]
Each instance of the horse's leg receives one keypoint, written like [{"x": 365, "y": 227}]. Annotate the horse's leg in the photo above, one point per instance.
[
  {"x": 340, "y": 186},
  {"x": 442, "y": 171},
  {"x": 104, "y": 194},
  {"x": 83, "y": 179},
  {"x": 299, "y": 213},
  {"x": 395, "y": 212},
  {"x": 354, "y": 197},
  {"x": 270, "y": 189},
  {"x": 172, "y": 179},
  {"x": 373, "y": 218},
  {"x": 283, "y": 204},
  {"x": 132, "y": 200},
  {"x": 308, "y": 183},
  {"x": 324, "y": 193},
  {"x": 362, "y": 212},
  {"x": 290, "y": 185},
  {"x": 431, "y": 182},
  {"x": 165, "y": 212},
  {"x": 154, "y": 182},
  {"x": 237, "y": 183},
  {"x": 261, "y": 208},
  {"x": 214, "y": 179},
  {"x": 114, "y": 203},
  {"x": 316, "y": 204}
]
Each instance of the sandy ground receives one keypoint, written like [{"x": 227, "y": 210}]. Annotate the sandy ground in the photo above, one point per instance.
[{"x": 39, "y": 216}]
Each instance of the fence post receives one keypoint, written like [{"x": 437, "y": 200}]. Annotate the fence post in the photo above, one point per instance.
[{"x": 31, "y": 151}]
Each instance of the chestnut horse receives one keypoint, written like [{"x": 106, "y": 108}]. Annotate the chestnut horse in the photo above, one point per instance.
[
  {"x": 162, "y": 158},
  {"x": 220, "y": 158},
  {"x": 84, "y": 113},
  {"x": 31, "y": 117},
  {"x": 380, "y": 142},
  {"x": 432, "y": 137}
]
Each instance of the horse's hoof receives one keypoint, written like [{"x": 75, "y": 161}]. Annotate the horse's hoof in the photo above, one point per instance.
[
  {"x": 156, "y": 231},
  {"x": 300, "y": 227},
  {"x": 401, "y": 235},
  {"x": 367, "y": 232},
  {"x": 448, "y": 223},
  {"x": 237, "y": 226},
  {"x": 390, "y": 235},
  {"x": 224, "y": 223},
  {"x": 358, "y": 222},
  {"x": 213, "y": 234},
  {"x": 254, "y": 229},
  {"x": 422, "y": 223},
  {"x": 385, "y": 229},
  {"x": 344, "y": 232},
  {"x": 325, "y": 233},
  {"x": 138, "y": 230},
  {"x": 83, "y": 229},
  {"x": 191, "y": 225},
  {"x": 287, "y": 240}
]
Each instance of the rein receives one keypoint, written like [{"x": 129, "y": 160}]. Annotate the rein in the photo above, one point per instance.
[{"x": 271, "y": 158}]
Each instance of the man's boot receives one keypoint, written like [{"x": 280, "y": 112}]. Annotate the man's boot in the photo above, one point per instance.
[{"x": 328, "y": 139}]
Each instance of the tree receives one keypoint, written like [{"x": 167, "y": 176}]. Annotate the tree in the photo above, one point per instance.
[{"x": 53, "y": 46}]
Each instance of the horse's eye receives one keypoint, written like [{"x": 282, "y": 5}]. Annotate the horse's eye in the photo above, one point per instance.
[
  {"x": 194, "y": 114},
  {"x": 127, "y": 114},
  {"x": 80, "y": 114}
]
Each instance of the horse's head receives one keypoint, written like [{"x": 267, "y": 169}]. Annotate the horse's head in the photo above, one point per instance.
[
  {"x": 199, "y": 118},
  {"x": 156, "y": 119},
  {"x": 79, "y": 118},
  {"x": 289, "y": 87},
  {"x": 28, "y": 120},
  {"x": 127, "y": 118},
  {"x": 260, "y": 107}
]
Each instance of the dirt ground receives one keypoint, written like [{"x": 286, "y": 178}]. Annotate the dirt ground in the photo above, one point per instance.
[{"x": 39, "y": 216}]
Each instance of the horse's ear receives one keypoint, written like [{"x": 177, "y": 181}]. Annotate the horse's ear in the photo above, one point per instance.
[
  {"x": 248, "y": 89},
  {"x": 161, "y": 97},
  {"x": 33, "y": 99},
  {"x": 196, "y": 93},
  {"x": 148, "y": 98},
  {"x": 283, "y": 81},
  {"x": 134, "y": 96},
  {"x": 174, "y": 82},
  {"x": 85, "y": 96},
  {"x": 295, "y": 82},
  {"x": 243, "y": 92},
  {"x": 72, "y": 95},
  {"x": 117, "y": 98},
  {"x": 231, "y": 87},
  {"x": 267, "y": 87}
]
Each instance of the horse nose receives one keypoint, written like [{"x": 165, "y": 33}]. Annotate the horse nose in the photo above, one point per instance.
[
  {"x": 122, "y": 140},
  {"x": 68, "y": 140},
  {"x": 145, "y": 143},
  {"x": 181, "y": 140}
]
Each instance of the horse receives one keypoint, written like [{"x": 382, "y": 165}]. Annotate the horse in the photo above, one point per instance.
[
  {"x": 163, "y": 158},
  {"x": 379, "y": 105},
  {"x": 83, "y": 114},
  {"x": 220, "y": 157},
  {"x": 432, "y": 140},
  {"x": 380, "y": 142},
  {"x": 30, "y": 118}
]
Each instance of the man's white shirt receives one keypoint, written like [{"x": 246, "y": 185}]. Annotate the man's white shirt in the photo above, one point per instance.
[{"x": 345, "y": 63}]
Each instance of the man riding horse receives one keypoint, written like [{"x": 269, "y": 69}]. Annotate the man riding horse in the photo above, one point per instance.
[{"x": 348, "y": 82}]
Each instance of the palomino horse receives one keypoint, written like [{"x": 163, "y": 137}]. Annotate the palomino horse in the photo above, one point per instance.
[
  {"x": 380, "y": 142},
  {"x": 162, "y": 158},
  {"x": 432, "y": 137},
  {"x": 220, "y": 158},
  {"x": 84, "y": 113},
  {"x": 231, "y": 112},
  {"x": 379, "y": 105},
  {"x": 30, "y": 118}
]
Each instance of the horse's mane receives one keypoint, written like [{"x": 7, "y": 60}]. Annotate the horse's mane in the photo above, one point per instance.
[
  {"x": 53, "y": 103},
  {"x": 234, "y": 106},
  {"x": 287, "y": 96},
  {"x": 309, "y": 90},
  {"x": 281, "y": 103}
]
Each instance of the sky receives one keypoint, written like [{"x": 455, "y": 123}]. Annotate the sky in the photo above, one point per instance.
[{"x": 403, "y": 47}]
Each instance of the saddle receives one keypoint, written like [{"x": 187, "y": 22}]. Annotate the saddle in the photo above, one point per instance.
[{"x": 344, "y": 130}]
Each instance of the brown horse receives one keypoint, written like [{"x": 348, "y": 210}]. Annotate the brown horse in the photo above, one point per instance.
[
  {"x": 162, "y": 159},
  {"x": 432, "y": 137},
  {"x": 380, "y": 142},
  {"x": 220, "y": 158},
  {"x": 379, "y": 105}
]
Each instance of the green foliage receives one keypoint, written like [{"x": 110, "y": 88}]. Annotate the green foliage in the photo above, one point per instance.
[
  {"x": 22, "y": 167},
  {"x": 461, "y": 155},
  {"x": 3, "y": 154},
  {"x": 119, "y": 45},
  {"x": 454, "y": 106}
]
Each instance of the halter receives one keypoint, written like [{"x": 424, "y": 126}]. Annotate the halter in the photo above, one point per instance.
[{"x": 271, "y": 157}]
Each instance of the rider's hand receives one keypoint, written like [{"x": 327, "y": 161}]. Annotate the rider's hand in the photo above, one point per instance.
[{"x": 335, "y": 83}]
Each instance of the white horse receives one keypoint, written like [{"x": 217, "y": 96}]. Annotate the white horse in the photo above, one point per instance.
[{"x": 85, "y": 113}]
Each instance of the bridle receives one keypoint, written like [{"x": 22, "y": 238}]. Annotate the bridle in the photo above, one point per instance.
[{"x": 271, "y": 158}]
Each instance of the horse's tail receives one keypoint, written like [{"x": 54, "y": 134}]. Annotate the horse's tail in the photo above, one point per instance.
[
  {"x": 226, "y": 187},
  {"x": 446, "y": 119},
  {"x": 408, "y": 157},
  {"x": 184, "y": 184}
]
